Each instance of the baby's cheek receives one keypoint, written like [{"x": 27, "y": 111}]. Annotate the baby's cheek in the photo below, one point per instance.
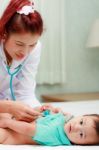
[{"x": 73, "y": 138}]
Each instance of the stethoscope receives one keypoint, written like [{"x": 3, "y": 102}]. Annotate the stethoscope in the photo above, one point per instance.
[{"x": 12, "y": 74}]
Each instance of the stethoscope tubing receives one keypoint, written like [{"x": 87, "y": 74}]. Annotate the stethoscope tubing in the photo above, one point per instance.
[
  {"x": 11, "y": 79},
  {"x": 18, "y": 69}
]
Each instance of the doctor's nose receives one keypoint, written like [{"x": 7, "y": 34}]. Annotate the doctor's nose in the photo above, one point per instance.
[{"x": 25, "y": 51}]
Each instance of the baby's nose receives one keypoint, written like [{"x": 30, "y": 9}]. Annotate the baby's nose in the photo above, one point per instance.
[{"x": 76, "y": 128}]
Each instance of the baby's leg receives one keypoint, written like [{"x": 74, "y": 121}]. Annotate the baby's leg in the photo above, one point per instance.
[
  {"x": 20, "y": 127},
  {"x": 3, "y": 135}
]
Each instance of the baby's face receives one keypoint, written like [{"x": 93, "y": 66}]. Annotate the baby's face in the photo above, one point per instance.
[{"x": 81, "y": 130}]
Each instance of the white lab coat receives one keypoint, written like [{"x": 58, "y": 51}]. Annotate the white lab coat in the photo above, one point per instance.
[{"x": 24, "y": 82}]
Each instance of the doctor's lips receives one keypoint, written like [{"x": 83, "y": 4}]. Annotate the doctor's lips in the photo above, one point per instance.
[{"x": 20, "y": 56}]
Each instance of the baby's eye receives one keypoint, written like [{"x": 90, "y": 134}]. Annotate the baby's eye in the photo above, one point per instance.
[
  {"x": 81, "y": 134},
  {"x": 81, "y": 122}
]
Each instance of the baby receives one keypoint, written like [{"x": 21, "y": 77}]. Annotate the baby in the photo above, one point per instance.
[{"x": 51, "y": 129}]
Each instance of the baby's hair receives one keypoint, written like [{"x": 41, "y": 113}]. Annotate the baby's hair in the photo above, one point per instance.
[{"x": 96, "y": 123}]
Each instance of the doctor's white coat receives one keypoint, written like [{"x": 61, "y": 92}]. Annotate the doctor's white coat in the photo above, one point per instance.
[{"x": 24, "y": 81}]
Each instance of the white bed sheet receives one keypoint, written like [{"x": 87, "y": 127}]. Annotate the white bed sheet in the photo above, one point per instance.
[
  {"x": 34, "y": 147},
  {"x": 79, "y": 107},
  {"x": 76, "y": 108}
]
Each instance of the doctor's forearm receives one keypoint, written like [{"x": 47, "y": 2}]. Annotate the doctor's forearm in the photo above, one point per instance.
[{"x": 5, "y": 106}]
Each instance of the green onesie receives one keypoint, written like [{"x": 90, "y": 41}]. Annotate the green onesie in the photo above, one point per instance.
[{"x": 50, "y": 130}]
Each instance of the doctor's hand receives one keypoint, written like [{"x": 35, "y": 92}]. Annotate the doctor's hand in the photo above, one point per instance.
[
  {"x": 21, "y": 111},
  {"x": 53, "y": 109},
  {"x": 49, "y": 107}
]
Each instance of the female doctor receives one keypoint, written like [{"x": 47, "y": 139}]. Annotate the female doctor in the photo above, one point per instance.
[{"x": 20, "y": 29}]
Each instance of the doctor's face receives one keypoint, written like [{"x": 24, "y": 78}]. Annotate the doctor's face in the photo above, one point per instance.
[
  {"x": 19, "y": 45},
  {"x": 81, "y": 130}
]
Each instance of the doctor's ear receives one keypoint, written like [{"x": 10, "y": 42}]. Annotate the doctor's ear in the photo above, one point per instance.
[{"x": 4, "y": 37}]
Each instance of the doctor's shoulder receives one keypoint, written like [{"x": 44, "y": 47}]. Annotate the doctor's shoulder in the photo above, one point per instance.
[{"x": 37, "y": 49}]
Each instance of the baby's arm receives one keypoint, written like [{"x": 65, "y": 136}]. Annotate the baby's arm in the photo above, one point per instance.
[
  {"x": 19, "y": 126},
  {"x": 5, "y": 115}
]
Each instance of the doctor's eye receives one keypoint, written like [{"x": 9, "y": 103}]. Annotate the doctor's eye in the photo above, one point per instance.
[
  {"x": 19, "y": 44},
  {"x": 81, "y": 122},
  {"x": 32, "y": 46}
]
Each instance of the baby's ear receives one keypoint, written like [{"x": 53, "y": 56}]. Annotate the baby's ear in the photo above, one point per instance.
[{"x": 98, "y": 139}]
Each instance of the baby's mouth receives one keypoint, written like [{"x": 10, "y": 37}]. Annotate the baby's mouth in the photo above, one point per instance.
[{"x": 69, "y": 128}]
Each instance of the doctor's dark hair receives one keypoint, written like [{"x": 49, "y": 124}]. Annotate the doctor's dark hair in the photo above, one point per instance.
[{"x": 12, "y": 22}]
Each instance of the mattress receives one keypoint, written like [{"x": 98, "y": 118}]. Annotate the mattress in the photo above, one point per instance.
[{"x": 76, "y": 108}]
